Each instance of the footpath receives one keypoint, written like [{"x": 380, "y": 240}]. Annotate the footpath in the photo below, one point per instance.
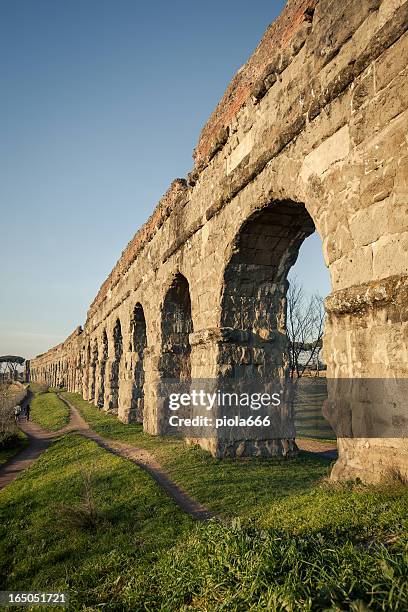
[{"x": 39, "y": 440}]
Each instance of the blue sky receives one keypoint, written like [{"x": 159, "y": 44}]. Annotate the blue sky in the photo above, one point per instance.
[{"x": 102, "y": 103}]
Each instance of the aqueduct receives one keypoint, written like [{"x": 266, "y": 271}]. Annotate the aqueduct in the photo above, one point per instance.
[{"x": 311, "y": 134}]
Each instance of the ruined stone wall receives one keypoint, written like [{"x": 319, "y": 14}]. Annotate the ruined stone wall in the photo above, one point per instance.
[
  {"x": 311, "y": 133},
  {"x": 63, "y": 365}
]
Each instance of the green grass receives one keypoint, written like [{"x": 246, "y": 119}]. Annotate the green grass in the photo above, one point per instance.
[
  {"x": 239, "y": 568},
  {"x": 228, "y": 487},
  {"x": 288, "y": 494},
  {"x": 334, "y": 547},
  {"x": 7, "y": 453},
  {"x": 38, "y": 387},
  {"x": 49, "y": 411},
  {"x": 40, "y": 549},
  {"x": 288, "y": 540}
]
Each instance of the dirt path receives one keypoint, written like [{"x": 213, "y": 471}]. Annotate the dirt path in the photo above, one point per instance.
[
  {"x": 22, "y": 460},
  {"x": 326, "y": 450},
  {"x": 143, "y": 459},
  {"x": 40, "y": 439}
]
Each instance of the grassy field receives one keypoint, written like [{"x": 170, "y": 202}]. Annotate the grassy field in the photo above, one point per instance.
[
  {"x": 247, "y": 487},
  {"x": 48, "y": 410},
  {"x": 226, "y": 486},
  {"x": 286, "y": 538},
  {"x": 53, "y": 536},
  {"x": 38, "y": 387},
  {"x": 236, "y": 567},
  {"x": 309, "y": 420}
]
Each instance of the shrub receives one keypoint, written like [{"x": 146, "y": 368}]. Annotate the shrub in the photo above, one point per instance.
[
  {"x": 8, "y": 427},
  {"x": 85, "y": 515},
  {"x": 9, "y": 439}
]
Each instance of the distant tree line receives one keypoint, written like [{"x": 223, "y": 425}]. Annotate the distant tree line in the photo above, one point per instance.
[{"x": 9, "y": 365}]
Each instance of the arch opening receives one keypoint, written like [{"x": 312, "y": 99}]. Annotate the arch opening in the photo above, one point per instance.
[
  {"x": 138, "y": 346},
  {"x": 87, "y": 368},
  {"x": 259, "y": 306},
  {"x": 104, "y": 359},
  {"x": 114, "y": 378},
  {"x": 94, "y": 362},
  {"x": 176, "y": 326},
  {"x": 255, "y": 287}
]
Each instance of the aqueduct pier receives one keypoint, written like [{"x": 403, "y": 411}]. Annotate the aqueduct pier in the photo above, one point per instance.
[{"x": 311, "y": 134}]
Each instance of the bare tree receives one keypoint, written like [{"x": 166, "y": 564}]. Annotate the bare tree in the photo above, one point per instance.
[{"x": 304, "y": 328}]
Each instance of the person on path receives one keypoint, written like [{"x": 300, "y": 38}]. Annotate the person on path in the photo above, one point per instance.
[
  {"x": 27, "y": 411},
  {"x": 17, "y": 412}
]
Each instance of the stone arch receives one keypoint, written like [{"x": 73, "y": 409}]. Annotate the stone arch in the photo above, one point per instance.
[
  {"x": 78, "y": 374},
  {"x": 87, "y": 362},
  {"x": 94, "y": 362},
  {"x": 138, "y": 346},
  {"x": 176, "y": 327},
  {"x": 100, "y": 400},
  {"x": 253, "y": 302},
  {"x": 117, "y": 339},
  {"x": 253, "y": 348},
  {"x": 65, "y": 373}
]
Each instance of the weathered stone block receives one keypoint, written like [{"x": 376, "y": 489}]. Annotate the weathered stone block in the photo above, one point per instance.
[
  {"x": 390, "y": 252},
  {"x": 332, "y": 150}
]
